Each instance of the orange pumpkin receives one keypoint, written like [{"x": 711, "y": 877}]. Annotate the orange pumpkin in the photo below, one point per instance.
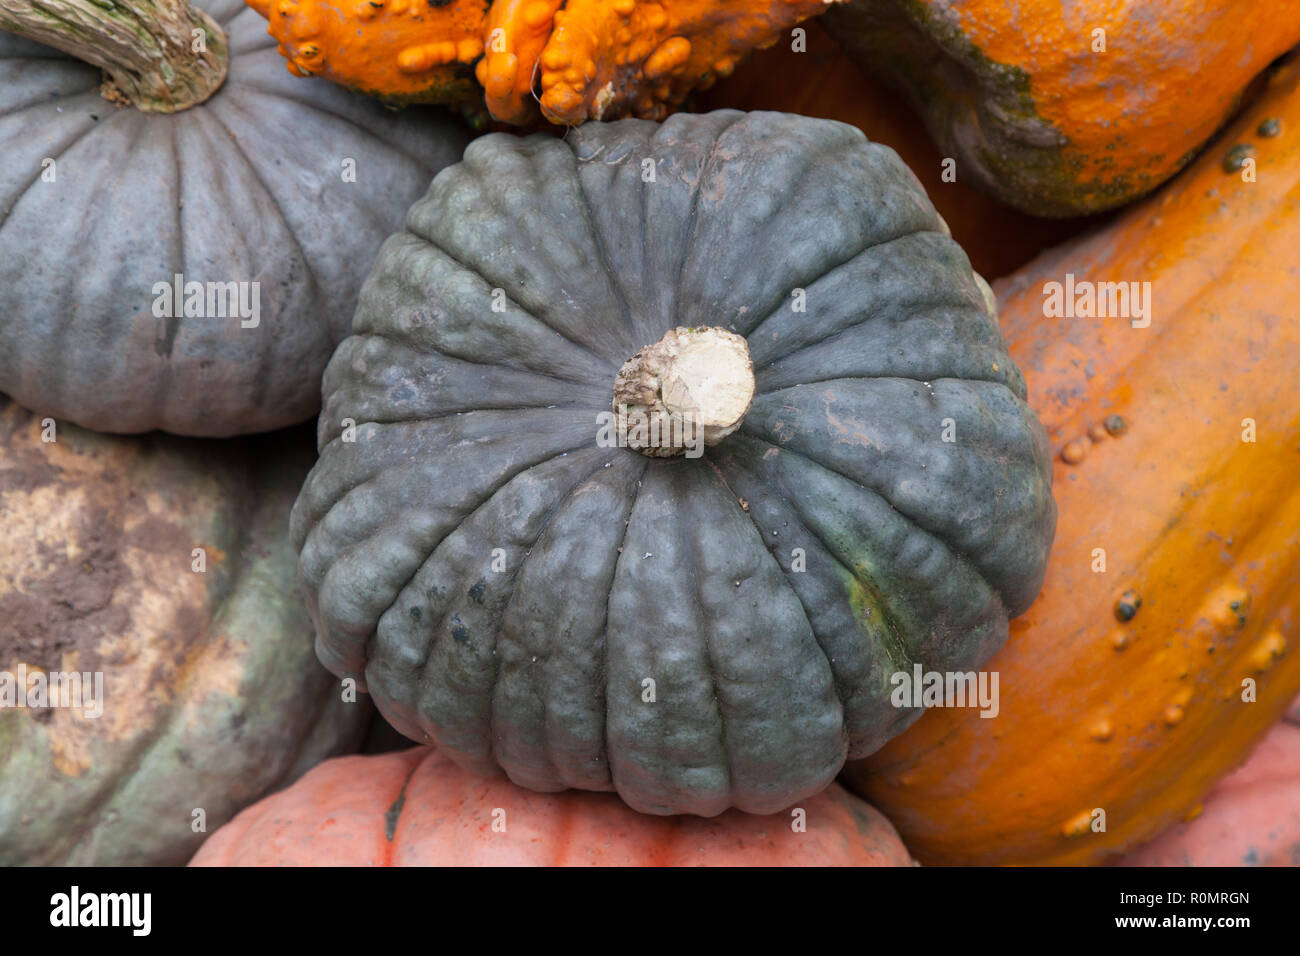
[
  {"x": 822, "y": 80},
  {"x": 1068, "y": 108},
  {"x": 1127, "y": 690},
  {"x": 1252, "y": 818},
  {"x": 417, "y": 808}
]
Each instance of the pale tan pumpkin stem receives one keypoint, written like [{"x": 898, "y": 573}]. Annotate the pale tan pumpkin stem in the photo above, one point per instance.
[
  {"x": 163, "y": 56},
  {"x": 692, "y": 386}
]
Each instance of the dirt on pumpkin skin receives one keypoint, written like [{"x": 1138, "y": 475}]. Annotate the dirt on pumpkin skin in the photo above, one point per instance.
[
  {"x": 78, "y": 533},
  {"x": 46, "y": 628}
]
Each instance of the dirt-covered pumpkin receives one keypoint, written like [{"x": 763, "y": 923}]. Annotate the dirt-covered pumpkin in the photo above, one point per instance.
[
  {"x": 417, "y": 808},
  {"x": 821, "y": 473},
  {"x": 1252, "y": 818},
  {"x": 1068, "y": 108},
  {"x": 185, "y": 253},
  {"x": 811, "y": 75},
  {"x": 1163, "y": 644},
  {"x": 158, "y": 570}
]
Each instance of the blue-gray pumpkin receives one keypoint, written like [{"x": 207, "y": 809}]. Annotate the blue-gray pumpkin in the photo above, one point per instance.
[
  {"x": 694, "y": 632},
  {"x": 283, "y": 187}
]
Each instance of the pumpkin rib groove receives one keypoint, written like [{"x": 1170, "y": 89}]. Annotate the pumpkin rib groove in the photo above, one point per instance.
[
  {"x": 304, "y": 103},
  {"x": 505, "y": 610},
  {"x": 470, "y": 361},
  {"x": 819, "y": 270},
  {"x": 910, "y": 518},
  {"x": 544, "y": 159},
  {"x": 172, "y": 323},
  {"x": 56, "y": 369},
  {"x": 422, "y": 666},
  {"x": 466, "y": 516},
  {"x": 987, "y": 360},
  {"x": 871, "y": 249},
  {"x": 895, "y": 649},
  {"x": 558, "y": 769},
  {"x": 938, "y": 539},
  {"x": 394, "y": 820},
  {"x": 690, "y": 568},
  {"x": 42, "y": 101},
  {"x": 841, "y": 694},
  {"x": 633, "y": 481},
  {"x": 896, "y": 652},
  {"x": 316, "y": 287},
  {"x": 598, "y": 240},
  {"x": 619, "y": 553},
  {"x": 608, "y": 363},
  {"x": 982, "y": 552},
  {"x": 319, "y": 509},
  {"x": 203, "y": 123},
  {"x": 692, "y": 215},
  {"x": 901, "y": 378},
  {"x": 232, "y": 102},
  {"x": 826, "y": 272},
  {"x": 8, "y": 208}
]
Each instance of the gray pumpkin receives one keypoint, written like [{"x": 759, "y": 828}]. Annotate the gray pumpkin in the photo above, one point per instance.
[
  {"x": 694, "y": 633},
  {"x": 246, "y": 187}
]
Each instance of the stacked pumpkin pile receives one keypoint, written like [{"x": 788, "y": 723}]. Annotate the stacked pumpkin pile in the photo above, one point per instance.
[{"x": 667, "y": 470}]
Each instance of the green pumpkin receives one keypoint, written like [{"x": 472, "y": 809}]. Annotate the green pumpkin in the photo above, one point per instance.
[
  {"x": 696, "y": 633},
  {"x": 163, "y": 565}
]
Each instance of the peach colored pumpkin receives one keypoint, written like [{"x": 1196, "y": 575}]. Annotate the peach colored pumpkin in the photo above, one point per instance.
[
  {"x": 417, "y": 808},
  {"x": 1252, "y": 818}
]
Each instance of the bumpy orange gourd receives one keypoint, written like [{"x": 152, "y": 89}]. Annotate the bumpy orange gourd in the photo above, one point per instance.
[
  {"x": 1252, "y": 818},
  {"x": 586, "y": 59},
  {"x": 1068, "y": 108},
  {"x": 398, "y": 50},
  {"x": 1178, "y": 446},
  {"x": 516, "y": 31},
  {"x": 814, "y": 77},
  {"x": 417, "y": 808}
]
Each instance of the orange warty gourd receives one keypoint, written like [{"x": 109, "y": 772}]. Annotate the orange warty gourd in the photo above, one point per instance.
[
  {"x": 417, "y": 808},
  {"x": 402, "y": 51},
  {"x": 575, "y": 59},
  {"x": 1252, "y": 818},
  {"x": 1068, "y": 108},
  {"x": 1178, "y": 446},
  {"x": 822, "y": 80}
]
